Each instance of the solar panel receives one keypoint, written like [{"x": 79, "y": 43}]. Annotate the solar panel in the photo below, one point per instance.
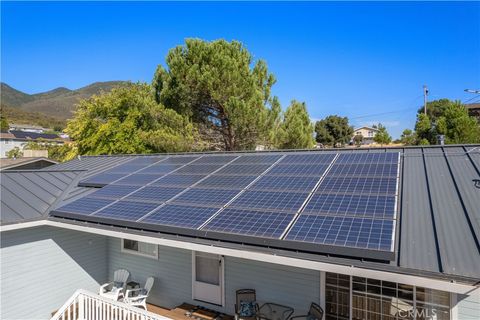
[
  {"x": 244, "y": 169},
  {"x": 257, "y": 159},
  {"x": 284, "y": 183},
  {"x": 358, "y": 185},
  {"x": 126, "y": 210},
  {"x": 160, "y": 168},
  {"x": 178, "y": 180},
  {"x": 276, "y": 201},
  {"x": 316, "y": 170},
  {"x": 226, "y": 182},
  {"x": 138, "y": 179},
  {"x": 377, "y": 206},
  {"x": 366, "y": 158},
  {"x": 102, "y": 179},
  {"x": 220, "y": 159},
  {"x": 206, "y": 197},
  {"x": 249, "y": 222},
  {"x": 85, "y": 205},
  {"x": 155, "y": 193},
  {"x": 380, "y": 170},
  {"x": 113, "y": 191},
  {"x": 198, "y": 169},
  {"x": 179, "y": 159},
  {"x": 180, "y": 216},
  {"x": 126, "y": 168},
  {"x": 308, "y": 158},
  {"x": 354, "y": 205},
  {"x": 362, "y": 233}
]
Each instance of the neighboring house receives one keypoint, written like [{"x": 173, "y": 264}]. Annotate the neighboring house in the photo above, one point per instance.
[
  {"x": 368, "y": 134},
  {"x": 384, "y": 233},
  {"x": 26, "y": 163},
  {"x": 16, "y": 138},
  {"x": 27, "y": 128},
  {"x": 474, "y": 110}
]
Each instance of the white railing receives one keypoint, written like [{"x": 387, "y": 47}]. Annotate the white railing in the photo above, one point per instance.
[{"x": 85, "y": 305}]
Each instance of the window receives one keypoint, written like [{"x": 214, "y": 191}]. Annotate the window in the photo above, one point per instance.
[
  {"x": 140, "y": 248},
  {"x": 382, "y": 300}
]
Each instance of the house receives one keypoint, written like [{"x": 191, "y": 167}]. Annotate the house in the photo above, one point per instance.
[
  {"x": 27, "y": 128},
  {"x": 368, "y": 133},
  {"x": 17, "y": 138},
  {"x": 474, "y": 110},
  {"x": 381, "y": 233},
  {"x": 26, "y": 163}
]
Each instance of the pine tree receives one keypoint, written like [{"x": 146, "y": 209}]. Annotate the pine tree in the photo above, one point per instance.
[{"x": 296, "y": 130}]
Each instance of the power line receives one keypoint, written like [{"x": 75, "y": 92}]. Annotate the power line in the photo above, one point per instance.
[{"x": 471, "y": 99}]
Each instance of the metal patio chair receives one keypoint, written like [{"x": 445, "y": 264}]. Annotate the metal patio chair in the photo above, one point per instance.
[
  {"x": 246, "y": 296},
  {"x": 314, "y": 313}
]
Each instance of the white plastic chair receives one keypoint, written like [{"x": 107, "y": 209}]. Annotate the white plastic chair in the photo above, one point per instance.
[
  {"x": 138, "y": 297},
  {"x": 114, "y": 290}
]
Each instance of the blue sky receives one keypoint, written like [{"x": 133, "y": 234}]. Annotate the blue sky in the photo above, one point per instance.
[{"x": 367, "y": 61}]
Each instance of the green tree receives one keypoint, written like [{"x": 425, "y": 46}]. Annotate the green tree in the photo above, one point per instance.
[
  {"x": 296, "y": 130},
  {"x": 129, "y": 120},
  {"x": 333, "y": 130},
  {"x": 382, "y": 137},
  {"x": 215, "y": 85},
  {"x": 423, "y": 127},
  {"x": 15, "y": 153},
  {"x": 3, "y": 124},
  {"x": 358, "y": 139},
  {"x": 449, "y": 118},
  {"x": 408, "y": 137},
  {"x": 457, "y": 125}
]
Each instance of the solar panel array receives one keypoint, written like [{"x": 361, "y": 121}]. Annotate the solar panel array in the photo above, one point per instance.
[
  {"x": 300, "y": 199},
  {"x": 354, "y": 205}
]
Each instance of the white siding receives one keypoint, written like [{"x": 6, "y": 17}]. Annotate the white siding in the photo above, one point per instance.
[
  {"x": 173, "y": 279},
  {"x": 42, "y": 267},
  {"x": 468, "y": 307}
]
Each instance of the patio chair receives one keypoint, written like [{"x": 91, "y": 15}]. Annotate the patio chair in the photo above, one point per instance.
[
  {"x": 246, "y": 306},
  {"x": 138, "y": 297},
  {"x": 114, "y": 290},
  {"x": 314, "y": 313}
]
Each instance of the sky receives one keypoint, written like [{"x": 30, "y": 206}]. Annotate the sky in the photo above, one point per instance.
[{"x": 368, "y": 61}]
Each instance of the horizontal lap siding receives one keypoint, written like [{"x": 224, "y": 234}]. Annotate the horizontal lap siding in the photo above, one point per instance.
[
  {"x": 172, "y": 272},
  {"x": 42, "y": 267},
  {"x": 468, "y": 307},
  {"x": 173, "y": 279}
]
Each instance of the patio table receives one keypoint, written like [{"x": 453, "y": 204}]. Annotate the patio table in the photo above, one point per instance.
[{"x": 274, "y": 311}]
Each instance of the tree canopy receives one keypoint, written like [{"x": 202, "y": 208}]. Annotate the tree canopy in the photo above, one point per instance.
[
  {"x": 214, "y": 84},
  {"x": 129, "y": 120},
  {"x": 4, "y": 126},
  {"x": 449, "y": 118},
  {"x": 408, "y": 137},
  {"x": 333, "y": 130},
  {"x": 382, "y": 137},
  {"x": 296, "y": 130}
]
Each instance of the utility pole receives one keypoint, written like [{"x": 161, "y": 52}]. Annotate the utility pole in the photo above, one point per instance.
[{"x": 425, "y": 94}]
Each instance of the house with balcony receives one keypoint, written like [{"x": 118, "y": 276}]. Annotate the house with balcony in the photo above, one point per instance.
[
  {"x": 381, "y": 233},
  {"x": 368, "y": 133}
]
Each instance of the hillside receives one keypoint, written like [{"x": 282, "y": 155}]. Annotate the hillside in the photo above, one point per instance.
[{"x": 57, "y": 104}]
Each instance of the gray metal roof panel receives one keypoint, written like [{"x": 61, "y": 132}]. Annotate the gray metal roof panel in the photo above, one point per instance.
[
  {"x": 28, "y": 195},
  {"x": 417, "y": 242},
  {"x": 456, "y": 244}
]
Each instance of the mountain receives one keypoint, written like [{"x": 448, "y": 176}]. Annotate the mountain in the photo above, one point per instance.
[{"x": 56, "y": 104}]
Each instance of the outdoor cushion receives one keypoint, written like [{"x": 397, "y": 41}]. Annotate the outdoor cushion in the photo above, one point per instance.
[{"x": 247, "y": 309}]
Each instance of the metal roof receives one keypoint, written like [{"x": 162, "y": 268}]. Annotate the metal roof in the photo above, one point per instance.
[
  {"x": 30, "y": 195},
  {"x": 26, "y": 163},
  {"x": 439, "y": 226}
]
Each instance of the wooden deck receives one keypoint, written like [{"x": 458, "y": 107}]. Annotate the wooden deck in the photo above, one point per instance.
[{"x": 178, "y": 313}]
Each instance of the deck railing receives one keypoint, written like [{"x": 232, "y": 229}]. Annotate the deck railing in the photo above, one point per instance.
[{"x": 85, "y": 305}]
